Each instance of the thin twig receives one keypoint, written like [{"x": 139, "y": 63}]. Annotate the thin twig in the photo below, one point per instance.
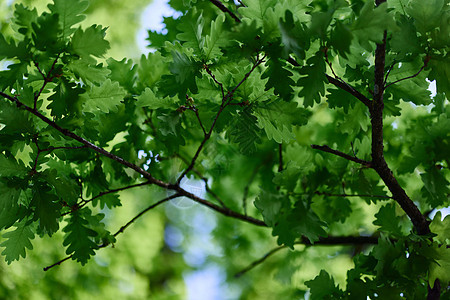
[
  {"x": 47, "y": 78},
  {"x": 225, "y": 101},
  {"x": 195, "y": 110},
  {"x": 328, "y": 241},
  {"x": 259, "y": 261},
  {"x": 58, "y": 263},
  {"x": 325, "y": 148},
  {"x": 121, "y": 230},
  {"x": 350, "y": 195},
  {"x": 205, "y": 66},
  {"x": 205, "y": 180},
  {"x": 409, "y": 77},
  {"x": 223, "y": 8},
  {"x": 85, "y": 202},
  {"x": 389, "y": 72}
]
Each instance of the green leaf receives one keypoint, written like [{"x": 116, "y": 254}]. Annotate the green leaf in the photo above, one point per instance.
[
  {"x": 24, "y": 17},
  {"x": 17, "y": 241},
  {"x": 87, "y": 72},
  {"x": 184, "y": 70},
  {"x": 105, "y": 98},
  {"x": 440, "y": 265},
  {"x": 278, "y": 117},
  {"x": 341, "y": 38},
  {"x": 323, "y": 287},
  {"x": 313, "y": 82},
  {"x": 256, "y": 10},
  {"x": 441, "y": 228},
  {"x": 288, "y": 177},
  {"x": 388, "y": 220},
  {"x": 7, "y": 49},
  {"x": 294, "y": 36},
  {"x": 426, "y": 14},
  {"x": 191, "y": 34},
  {"x": 440, "y": 71},
  {"x": 10, "y": 167},
  {"x": 9, "y": 206},
  {"x": 218, "y": 38},
  {"x": 109, "y": 200},
  {"x": 306, "y": 223},
  {"x": 47, "y": 210},
  {"x": 66, "y": 188},
  {"x": 270, "y": 205},
  {"x": 45, "y": 34},
  {"x": 65, "y": 100},
  {"x": 124, "y": 72},
  {"x": 69, "y": 13},
  {"x": 79, "y": 237},
  {"x": 245, "y": 132},
  {"x": 279, "y": 77},
  {"x": 372, "y": 22},
  {"x": 150, "y": 100},
  {"x": 339, "y": 98},
  {"x": 90, "y": 42},
  {"x": 405, "y": 40},
  {"x": 299, "y": 222},
  {"x": 436, "y": 187}
]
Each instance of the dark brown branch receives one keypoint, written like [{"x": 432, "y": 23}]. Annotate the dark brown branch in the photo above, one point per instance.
[
  {"x": 325, "y": 148},
  {"x": 378, "y": 161},
  {"x": 328, "y": 241},
  {"x": 86, "y": 143},
  {"x": 58, "y": 263},
  {"x": 223, "y": 8},
  {"x": 349, "y": 89},
  {"x": 223, "y": 210}
]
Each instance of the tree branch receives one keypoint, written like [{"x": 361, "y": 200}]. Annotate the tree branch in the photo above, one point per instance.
[
  {"x": 86, "y": 143},
  {"x": 328, "y": 241},
  {"x": 325, "y": 148},
  {"x": 223, "y": 8},
  {"x": 223, "y": 210}
]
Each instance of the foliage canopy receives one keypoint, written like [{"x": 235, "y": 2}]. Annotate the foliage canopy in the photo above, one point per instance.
[{"x": 309, "y": 121}]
